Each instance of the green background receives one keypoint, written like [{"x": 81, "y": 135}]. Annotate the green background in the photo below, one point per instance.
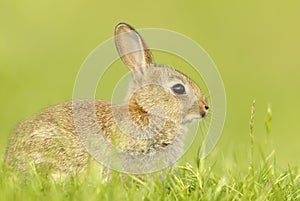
[{"x": 255, "y": 45}]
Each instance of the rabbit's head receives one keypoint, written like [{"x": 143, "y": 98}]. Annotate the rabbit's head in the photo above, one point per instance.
[{"x": 156, "y": 86}]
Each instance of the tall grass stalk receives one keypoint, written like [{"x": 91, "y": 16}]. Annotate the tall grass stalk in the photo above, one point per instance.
[{"x": 251, "y": 127}]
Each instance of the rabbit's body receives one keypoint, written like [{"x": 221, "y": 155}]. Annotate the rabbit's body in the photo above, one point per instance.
[
  {"x": 161, "y": 101},
  {"x": 50, "y": 139}
]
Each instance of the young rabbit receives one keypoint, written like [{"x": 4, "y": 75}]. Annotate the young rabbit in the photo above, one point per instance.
[{"x": 161, "y": 101}]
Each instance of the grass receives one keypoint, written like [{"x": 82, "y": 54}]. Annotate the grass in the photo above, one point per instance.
[{"x": 265, "y": 181}]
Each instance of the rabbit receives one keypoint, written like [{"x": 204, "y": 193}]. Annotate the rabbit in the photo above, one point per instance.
[{"x": 161, "y": 101}]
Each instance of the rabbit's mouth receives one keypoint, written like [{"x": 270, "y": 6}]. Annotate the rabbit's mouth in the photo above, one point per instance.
[{"x": 195, "y": 113}]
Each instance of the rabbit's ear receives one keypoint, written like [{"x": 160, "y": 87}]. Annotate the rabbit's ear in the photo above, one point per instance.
[{"x": 131, "y": 47}]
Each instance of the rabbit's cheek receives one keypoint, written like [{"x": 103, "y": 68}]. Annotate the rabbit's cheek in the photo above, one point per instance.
[{"x": 195, "y": 111}]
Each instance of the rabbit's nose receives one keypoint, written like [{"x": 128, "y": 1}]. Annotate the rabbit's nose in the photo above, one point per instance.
[{"x": 204, "y": 111}]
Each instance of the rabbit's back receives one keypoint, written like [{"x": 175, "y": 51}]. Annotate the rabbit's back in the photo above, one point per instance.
[{"x": 49, "y": 140}]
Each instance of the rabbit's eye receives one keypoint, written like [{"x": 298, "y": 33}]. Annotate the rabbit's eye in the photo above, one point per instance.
[{"x": 178, "y": 89}]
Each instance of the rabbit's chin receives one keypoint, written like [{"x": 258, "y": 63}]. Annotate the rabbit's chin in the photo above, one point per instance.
[{"x": 190, "y": 118}]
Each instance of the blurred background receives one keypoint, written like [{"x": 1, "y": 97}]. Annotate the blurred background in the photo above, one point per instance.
[{"x": 255, "y": 45}]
